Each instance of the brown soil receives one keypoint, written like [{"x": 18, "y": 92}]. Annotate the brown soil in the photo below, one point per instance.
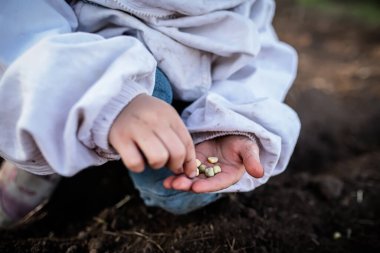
[{"x": 327, "y": 200}]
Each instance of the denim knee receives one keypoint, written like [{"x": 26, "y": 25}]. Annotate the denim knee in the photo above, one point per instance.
[
  {"x": 162, "y": 87},
  {"x": 150, "y": 185}
]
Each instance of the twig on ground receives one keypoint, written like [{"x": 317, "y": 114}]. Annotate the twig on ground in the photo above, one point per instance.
[
  {"x": 122, "y": 202},
  {"x": 35, "y": 213},
  {"x": 231, "y": 245},
  {"x": 135, "y": 233}
]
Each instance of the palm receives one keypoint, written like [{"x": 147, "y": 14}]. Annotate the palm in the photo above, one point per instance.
[
  {"x": 228, "y": 159},
  {"x": 229, "y": 151}
]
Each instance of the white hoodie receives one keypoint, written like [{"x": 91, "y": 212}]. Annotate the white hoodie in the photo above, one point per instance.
[{"x": 67, "y": 71}]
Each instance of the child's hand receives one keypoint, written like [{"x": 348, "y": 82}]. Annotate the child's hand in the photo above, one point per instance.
[
  {"x": 150, "y": 128},
  {"x": 236, "y": 154}
]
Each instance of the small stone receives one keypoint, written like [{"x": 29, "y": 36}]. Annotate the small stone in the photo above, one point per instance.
[
  {"x": 81, "y": 235},
  {"x": 251, "y": 213},
  {"x": 197, "y": 172},
  {"x": 94, "y": 245},
  {"x": 359, "y": 196},
  {"x": 348, "y": 233},
  {"x": 337, "y": 235},
  {"x": 212, "y": 159},
  {"x": 329, "y": 186}
]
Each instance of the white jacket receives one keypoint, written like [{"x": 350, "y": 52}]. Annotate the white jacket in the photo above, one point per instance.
[{"x": 67, "y": 71}]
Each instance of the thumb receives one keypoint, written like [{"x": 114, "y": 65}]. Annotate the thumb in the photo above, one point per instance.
[{"x": 251, "y": 161}]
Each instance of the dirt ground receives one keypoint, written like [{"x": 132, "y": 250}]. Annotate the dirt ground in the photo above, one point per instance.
[{"x": 327, "y": 200}]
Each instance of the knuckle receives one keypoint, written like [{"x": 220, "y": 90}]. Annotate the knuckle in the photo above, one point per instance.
[
  {"x": 147, "y": 117},
  {"x": 177, "y": 170},
  {"x": 158, "y": 161},
  {"x": 120, "y": 135},
  {"x": 135, "y": 164},
  {"x": 178, "y": 154}
]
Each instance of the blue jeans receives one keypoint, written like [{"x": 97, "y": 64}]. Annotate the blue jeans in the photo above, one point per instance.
[{"x": 149, "y": 182}]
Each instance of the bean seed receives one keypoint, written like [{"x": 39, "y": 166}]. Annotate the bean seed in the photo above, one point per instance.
[
  {"x": 209, "y": 172},
  {"x": 197, "y": 174},
  {"x": 217, "y": 169},
  {"x": 202, "y": 168},
  {"x": 212, "y": 159},
  {"x": 198, "y": 162}
]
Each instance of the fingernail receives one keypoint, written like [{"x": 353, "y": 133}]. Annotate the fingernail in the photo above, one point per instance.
[{"x": 193, "y": 174}]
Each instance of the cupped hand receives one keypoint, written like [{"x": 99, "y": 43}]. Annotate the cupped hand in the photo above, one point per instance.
[
  {"x": 150, "y": 130},
  {"x": 237, "y": 154}
]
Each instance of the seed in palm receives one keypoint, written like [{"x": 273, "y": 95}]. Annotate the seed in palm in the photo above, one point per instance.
[
  {"x": 209, "y": 172},
  {"x": 212, "y": 159},
  {"x": 202, "y": 168},
  {"x": 217, "y": 169},
  {"x": 198, "y": 162}
]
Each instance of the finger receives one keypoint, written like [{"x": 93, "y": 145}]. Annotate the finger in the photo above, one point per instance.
[
  {"x": 175, "y": 148},
  {"x": 182, "y": 183},
  {"x": 251, "y": 161},
  {"x": 131, "y": 156},
  {"x": 189, "y": 165},
  {"x": 168, "y": 182},
  {"x": 153, "y": 149},
  {"x": 218, "y": 182}
]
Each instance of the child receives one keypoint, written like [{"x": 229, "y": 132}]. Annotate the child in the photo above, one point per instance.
[{"x": 82, "y": 85}]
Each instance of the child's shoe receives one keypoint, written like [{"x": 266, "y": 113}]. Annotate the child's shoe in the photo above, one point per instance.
[{"x": 21, "y": 192}]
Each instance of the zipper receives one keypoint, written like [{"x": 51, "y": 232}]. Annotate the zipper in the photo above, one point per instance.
[{"x": 133, "y": 8}]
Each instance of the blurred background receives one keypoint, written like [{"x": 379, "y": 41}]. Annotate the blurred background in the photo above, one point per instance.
[{"x": 337, "y": 90}]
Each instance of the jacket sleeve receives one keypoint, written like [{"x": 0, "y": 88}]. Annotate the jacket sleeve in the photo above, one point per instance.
[
  {"x": 61, "y": 90},
  {"x": 249, "y": 101}
]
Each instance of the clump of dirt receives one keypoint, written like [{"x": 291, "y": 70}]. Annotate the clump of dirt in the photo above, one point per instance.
[{"x": 327, "y": 200}]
